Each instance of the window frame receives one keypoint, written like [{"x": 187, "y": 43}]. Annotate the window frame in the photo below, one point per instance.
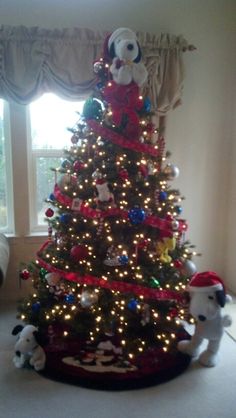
[{"x": 9, "y": 228}]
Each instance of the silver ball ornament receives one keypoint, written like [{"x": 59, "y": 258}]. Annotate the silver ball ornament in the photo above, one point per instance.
[
  {"x": 171, "y": 171},
  {"x": 189, "y": 268},
  {"x": 88, "y": 298},
  {"x": 175, "y": 225},
  {"x": 97, "y": 67}
]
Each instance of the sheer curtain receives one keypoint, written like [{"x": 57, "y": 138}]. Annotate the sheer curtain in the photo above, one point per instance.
[{"x": 36, "y": 60}]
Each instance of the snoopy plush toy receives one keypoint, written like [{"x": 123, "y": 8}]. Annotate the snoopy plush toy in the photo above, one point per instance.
[
  {"x": 27, "y": 348},
  {"x": 207, "y": 299},
  {"x": 124, "y": 50}
]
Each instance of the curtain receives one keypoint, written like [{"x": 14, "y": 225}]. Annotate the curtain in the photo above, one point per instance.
[{"x": 36, "y": 60}]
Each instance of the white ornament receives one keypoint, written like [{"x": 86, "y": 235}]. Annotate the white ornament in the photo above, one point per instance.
[
  {"x": 171, "y": 171},
  {"x": 88, "y": 298}
]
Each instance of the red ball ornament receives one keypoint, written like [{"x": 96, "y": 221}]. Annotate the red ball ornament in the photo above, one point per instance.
[
  {"x": 123, "y": 174},
  {"x": 178, "y": 264},
  {"x": 143, "y": 244},
  {"x": 79, "y": 252},
  {"x": 24, "y": 274},
  {"x": 143, "y": 170},
  {"x": 74, "y": 139},
  {"x": 49, "y": 212},
  {"x": 78, "y": 166}
]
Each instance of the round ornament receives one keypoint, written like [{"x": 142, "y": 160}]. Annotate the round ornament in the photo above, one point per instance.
[
  {"x": 132, "y": 304},
  {"x": 136, "y": 216},
  {"x": 42, "y": 273},
  {"x": 88, "y": 298},
  {"x": 70, "y": 298},
  {"x": 79, "y": 253},
  {"x": 52, "y": 197},
  {"x": 123, "y": 174},
  {"x": 123, "y": 259},
  {"x": 189, "y": 268},
  {"x": 142, "y": 244},
  {"x": 179, "y": 209},
  {"x": 163, "y": 196},
  {"x": 49, "y": 213},
  {"x": 171, "y": 171},
  {"x": 97, "y": 67},
  {"x": 74, "y": 139},
  {"x": 147, "y": 104},
  {"x": 66, "y": 164},
  {"x": 178, "y": 264},
  {"x": 36, "y": 307},
  {"x": 175, "y": 224},
  {"x": 24, "y": 274},
  {"x": 92, "y": 109},
  {"x": 78, "y": 166},
  {"x": 65, "y": 218}
]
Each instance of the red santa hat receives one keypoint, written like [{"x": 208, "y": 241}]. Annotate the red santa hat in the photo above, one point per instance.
[{"x": 203, "y": 282}]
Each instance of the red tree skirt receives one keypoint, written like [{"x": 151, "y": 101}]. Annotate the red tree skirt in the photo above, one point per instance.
[{"x": 70, "y": 363}]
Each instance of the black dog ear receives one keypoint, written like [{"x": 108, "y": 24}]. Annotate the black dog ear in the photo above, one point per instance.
[
  {"x": 112, "y": 52},
  {"x": 220, "y": 297},
  {"x": 139, "y": 56},
  {"x": 40, "y": 339},
  {"x": 17, "y": 329}
]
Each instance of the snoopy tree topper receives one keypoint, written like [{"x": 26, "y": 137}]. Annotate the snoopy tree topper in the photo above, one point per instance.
[{"x": 124, "y": 50}]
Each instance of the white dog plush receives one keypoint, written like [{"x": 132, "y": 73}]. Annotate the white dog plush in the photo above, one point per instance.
[
  {"x": 207, "y": 298},
  {"x": 27, "y": 348},
  {"x": 124, "y": 50}
]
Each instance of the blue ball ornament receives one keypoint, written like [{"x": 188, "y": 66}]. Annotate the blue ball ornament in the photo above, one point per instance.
[
  {"x": 69, "y": 298},
  {"x": 123, "y": 259},
  {"x": 100, "y": 85},
  {"x": 178, "y": 209},
  {"x": 66, "y": 164},
  {"x": 36, "y": 307},
  {"x": 147, "y": 104},
  {"x": 163, "y": 196},
  {"x": 52, "y": 197},
  {"x": 132, "y": 304},
  {"x": 136, "y": 216},
  {"x": 65, "y": 218}
]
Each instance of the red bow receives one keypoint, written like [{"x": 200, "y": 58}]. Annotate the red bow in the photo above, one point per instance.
[{"x": 125, "y": 101}]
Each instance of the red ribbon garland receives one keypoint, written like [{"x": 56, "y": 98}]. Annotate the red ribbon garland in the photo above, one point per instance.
[
  {"x": 114, "y": 137},
  {"x": 111, "y": 285},
  {"x": 151, "y": 220}
]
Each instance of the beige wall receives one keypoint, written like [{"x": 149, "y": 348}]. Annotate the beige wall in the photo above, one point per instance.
[{"x": 200, "y": 133}]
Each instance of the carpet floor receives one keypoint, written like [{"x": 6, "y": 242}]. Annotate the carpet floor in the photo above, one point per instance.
[{"x": 198, "y": 392}]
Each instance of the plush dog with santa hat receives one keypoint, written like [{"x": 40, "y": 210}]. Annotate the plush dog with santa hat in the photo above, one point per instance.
[
  {"x": 207, "y": 299},
  {"x": 124, "y": 50}
]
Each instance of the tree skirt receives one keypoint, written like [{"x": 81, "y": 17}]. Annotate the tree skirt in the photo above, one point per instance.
[{"x": 103, "y": 369}]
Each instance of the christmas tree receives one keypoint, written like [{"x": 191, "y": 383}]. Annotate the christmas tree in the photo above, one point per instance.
[{"x": 109, "y": 281}]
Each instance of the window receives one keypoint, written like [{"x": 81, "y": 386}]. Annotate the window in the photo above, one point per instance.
[
  {"x": 32, "y": 139},
  {"x": 6, "y": 207},
  {"x": 49, "y": 119}
]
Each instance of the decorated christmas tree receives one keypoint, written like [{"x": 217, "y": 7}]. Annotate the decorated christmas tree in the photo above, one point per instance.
[{"x": 108, "y": 284}]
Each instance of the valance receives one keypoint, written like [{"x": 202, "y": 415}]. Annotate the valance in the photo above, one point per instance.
[{"x": 36, "y": 60}]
